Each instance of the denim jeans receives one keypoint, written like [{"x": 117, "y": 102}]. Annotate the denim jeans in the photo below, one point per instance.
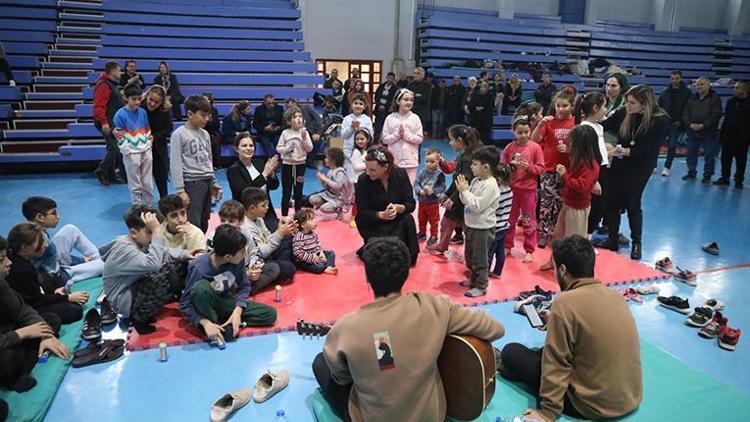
[
  {"x": 70, "y": 238},
  {"x": 710, "y": 150},
  {"x": 674, "y": 136}
]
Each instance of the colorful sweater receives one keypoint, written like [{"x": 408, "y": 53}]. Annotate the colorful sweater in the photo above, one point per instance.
[
  {"x": 306, "y": 246},
  {"x": 134, "y": 124}
]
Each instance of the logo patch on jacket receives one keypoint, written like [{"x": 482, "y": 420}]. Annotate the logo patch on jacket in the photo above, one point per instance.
[
  {"x": 383, "y": 350},
  {"x": 223, "y": 282}
]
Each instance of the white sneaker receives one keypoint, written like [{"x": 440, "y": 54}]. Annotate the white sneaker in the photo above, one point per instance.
[
  {"x": 270, "y": 384},
  {"x": 228, "y": 404},
  {"x": 666, "y": 172}
]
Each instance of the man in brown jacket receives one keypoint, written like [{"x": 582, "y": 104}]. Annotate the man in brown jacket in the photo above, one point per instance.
[
  {"x": 379, "y": 363},
  {"x": 590, "y": 366}
]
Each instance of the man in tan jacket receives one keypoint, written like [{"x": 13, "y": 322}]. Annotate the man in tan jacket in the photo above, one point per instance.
[
  {"x": 590, "y": 366},
  {"x": 379, "y": 363}
]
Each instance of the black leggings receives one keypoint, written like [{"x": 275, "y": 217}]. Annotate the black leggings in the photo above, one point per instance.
[
  {"x": 599, "y": 202},
  {"x": 66, "y": 311},
  {"x": 20, "y": 359},
  {"x": 336, "y": 395},
  {"x": 292, "y": 176},
  {"x": 524, "y": 365},
  {"x": 160, "y": 166}
]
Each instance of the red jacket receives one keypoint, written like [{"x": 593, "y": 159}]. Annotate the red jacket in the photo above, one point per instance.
[
  {"x": 101, "y": 99},
  {"x": 578, "y": 185}
]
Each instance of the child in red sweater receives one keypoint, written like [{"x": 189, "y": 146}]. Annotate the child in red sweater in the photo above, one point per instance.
[
  {"x": 579, "y": 182},
  {"x": 552, "y": 135},
  {"x": 527, "y": 162}
]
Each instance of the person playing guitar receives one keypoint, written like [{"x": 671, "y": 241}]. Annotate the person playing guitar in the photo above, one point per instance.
[{"x": 380, "y": 362}]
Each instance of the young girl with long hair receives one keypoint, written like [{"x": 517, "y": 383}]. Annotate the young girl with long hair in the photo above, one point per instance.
[
  {"x": 402, "y": 133},
  {"x": 552, "y": 135},
  {"x": 294, "y": 144}
]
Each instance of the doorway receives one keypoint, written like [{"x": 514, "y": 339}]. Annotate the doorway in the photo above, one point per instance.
[{"x": 370, "y": 71}]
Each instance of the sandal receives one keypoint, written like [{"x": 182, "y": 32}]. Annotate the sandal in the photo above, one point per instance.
[
  {"x": 95, "y": 348},
  {"x": 106, "y": 354}
]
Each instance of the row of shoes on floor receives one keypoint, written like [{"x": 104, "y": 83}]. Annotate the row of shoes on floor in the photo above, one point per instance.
[
  {"x": 540, "y": 299},
  {"x": 268, "y": 384},
  {"x": 98, "y": 351},
  {"x": 709, "y": 318}
]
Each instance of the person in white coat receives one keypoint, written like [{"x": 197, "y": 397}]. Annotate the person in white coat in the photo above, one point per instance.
[
  {"x": 358, "y": 119},
  {"x": 402, "y": 133}
]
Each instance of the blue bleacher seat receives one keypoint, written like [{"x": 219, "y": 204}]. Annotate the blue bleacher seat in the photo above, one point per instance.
[
  {"x": 10, "y": 93},
  {"x": 638, "y": 55},
  {"x": 214, "y": 54},
  {"x": 515, "y": 39},
  {"x": 491, "y": 46},
  {"x": 236, "y": 93},
  {"x": 177, "y": 31},
  {"x": 239, "y": 79},
  {"x": 28, "y": 24},
  {"x": 192, "y": 43},
  {"x": 631, "y": 45},
  {"x": 512, "y": 27},
  {"x": 23, "y": 62},
  {"x": 190, "y": 21},
  {"x": 6, "y": 111},
  {"x": 219, "y": 66},
  {"x": 25, "y": 48},
  {"x": 28, "y": 13},
  {"x": 483, "y": 55},
  {"x": 250, "y": 10},
  {"x": 26, "y": 36},
  {"x": 20, "y": 76}
]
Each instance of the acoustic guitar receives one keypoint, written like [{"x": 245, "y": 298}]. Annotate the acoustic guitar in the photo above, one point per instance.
[{"x": 467, "y": 369}]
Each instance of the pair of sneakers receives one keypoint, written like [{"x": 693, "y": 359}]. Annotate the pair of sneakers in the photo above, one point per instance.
[
  {"x": 268, "y": 384},
  {"x": 702, "y": 315},
  {"x": 430, "y": 241},
  {"x": 686, "y": 276},
  {"x": 718, "y": 328},
  {"x": 94, "y": 320},
  {"x": 473, "y": 291}
]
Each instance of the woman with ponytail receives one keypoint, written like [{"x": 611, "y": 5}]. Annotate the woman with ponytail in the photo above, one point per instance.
[{"x": 157, "y": 106}]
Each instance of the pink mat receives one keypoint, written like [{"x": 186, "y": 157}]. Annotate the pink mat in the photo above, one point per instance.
[{"x": 324, "y": 298}]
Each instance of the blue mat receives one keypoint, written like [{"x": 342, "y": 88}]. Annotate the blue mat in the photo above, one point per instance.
[{"x": 673, "y": 391}]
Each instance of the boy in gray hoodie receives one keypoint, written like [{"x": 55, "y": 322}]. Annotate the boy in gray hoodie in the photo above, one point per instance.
[{"x": 135, "y": 279}]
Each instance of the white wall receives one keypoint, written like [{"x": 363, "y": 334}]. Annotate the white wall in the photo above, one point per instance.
[
  {"x": 702, "y": 14},
  {"x": 537, "y": 7},
  {"x": 624, "y": 11},
  {"x": 349, "y": 29}
]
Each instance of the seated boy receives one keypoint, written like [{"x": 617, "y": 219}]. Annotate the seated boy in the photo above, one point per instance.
[
  {"x": 270, "y": 247},
  {"x": 178, "y": 232},
  {"x": 216, "y": 291},
  {"x": 24, "y": 334},
  {"x": 140, "y": 273},
  {"x": 259, "y": 273},
  {"x": 57, "y": 261}
]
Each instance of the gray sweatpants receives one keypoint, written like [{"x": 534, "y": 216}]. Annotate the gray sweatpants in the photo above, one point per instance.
[{"x": 476, "y": 246}]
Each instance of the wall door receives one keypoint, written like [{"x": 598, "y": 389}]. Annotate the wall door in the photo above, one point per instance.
[{"x": 370, "y": 71}]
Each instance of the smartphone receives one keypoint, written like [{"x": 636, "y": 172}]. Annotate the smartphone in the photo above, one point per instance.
[{"x": 532, "y": 315}]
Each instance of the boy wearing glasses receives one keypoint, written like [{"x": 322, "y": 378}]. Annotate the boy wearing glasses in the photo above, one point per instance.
[{"x": 57, "y": 260}]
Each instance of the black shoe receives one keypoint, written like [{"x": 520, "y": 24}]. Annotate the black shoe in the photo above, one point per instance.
[
  {"x": 421, "y": 236},
  {"x": 458, "y": 240},
  {"x": 635, "y": 251},
  {"x": 738, "y": 185},
  {"x": 623, "y": 240},
  {"x": 92, "y": 325},
  {"x": 103, "y": 178},
  {"x": 706, "y": 180},
  {"x": 689, "y": 176},
  {"x": 611, "y": 244},
  {"x": 721, "y": 182},
  {"x": 143, "y": 328},
  {"x": 542, "y": 243},
  {"x": 109, "y": 316}
]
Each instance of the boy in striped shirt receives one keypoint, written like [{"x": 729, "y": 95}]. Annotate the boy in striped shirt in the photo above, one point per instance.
[
  {"x": 134, "y": 140},
  {"x": 308, "y": 254},
  {"x": 502, "y": 215}
]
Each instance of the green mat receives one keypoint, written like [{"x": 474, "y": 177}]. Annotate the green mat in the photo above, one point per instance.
[
  {"x": 32, "y": 405},
  {"x": 673, "y": 391}
]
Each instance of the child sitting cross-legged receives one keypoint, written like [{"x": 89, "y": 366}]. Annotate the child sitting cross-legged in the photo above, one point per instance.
[
  {"x": 140, "y": 273},
  {"x": 337, "y": 188},
  {"x": 178, "y": 232},
  {"x": 270, "y": 247},
  {"x": 217, "y": 289},
  {"x": 308, "y": 254}
]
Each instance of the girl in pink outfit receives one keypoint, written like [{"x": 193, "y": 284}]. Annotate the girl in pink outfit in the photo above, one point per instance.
[
  {"x": 527, "y": 161},
  {"x": 402, "y": 133}
]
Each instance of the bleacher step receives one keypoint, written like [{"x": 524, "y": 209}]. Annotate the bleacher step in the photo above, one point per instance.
[
  {"x": 67, "y": 73},
  {"x": 73, "y": 53},
  {"x": 35, "y": 134},
  {"x": 79, "y": 39},
  {"x": 67, "y": 66},
  {"x": 45, "y": 114},
  {"x": 59, "y": 88},
  {"x": 93, "y": 16},
  {"x": 41, "y": 124},
  {"x": 78, "y": 30},
  {"x": 49, "y": 105},
  {"x": 61, "y": 80},
  {"x": 54, "y": 96},
  {"x": 62, "y": 45}
]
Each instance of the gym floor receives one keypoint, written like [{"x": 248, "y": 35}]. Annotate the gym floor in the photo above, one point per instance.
[{"x": 679, "y": 217}]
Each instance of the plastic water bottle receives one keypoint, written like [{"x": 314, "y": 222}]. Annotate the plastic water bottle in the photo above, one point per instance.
[
  {"x": 44, "y": 357},
  {"x": 281, "y": 416}
]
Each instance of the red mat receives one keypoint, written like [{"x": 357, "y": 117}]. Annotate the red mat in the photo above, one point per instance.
[{"x": 324, "y": 298}]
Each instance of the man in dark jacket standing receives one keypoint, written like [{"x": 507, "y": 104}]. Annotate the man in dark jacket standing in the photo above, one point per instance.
[
  {"x": 545, "y": 92},
  {"x": 673, "y": 100},
  {"x": 131, "y": 75},
  {"x": 422, "y": 98},
  {"x": 735, "y": 136},
  {"x": 107, "y": 101},
  {"x": 701, "y": 118},
  {"x": 383, "y": 101},
  {"x": 268, "y": 124},
  {"x": 454, "y": 112}
]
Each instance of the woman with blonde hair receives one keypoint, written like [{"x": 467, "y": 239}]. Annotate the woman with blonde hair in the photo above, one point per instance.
[
  {"x": 513, "y": 93},
  {"x": 156, "y": 103},
  {"x": 641, "y": 126}
]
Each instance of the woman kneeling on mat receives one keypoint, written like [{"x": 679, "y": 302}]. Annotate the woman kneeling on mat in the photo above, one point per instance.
[{"x": 385, "y": 201}]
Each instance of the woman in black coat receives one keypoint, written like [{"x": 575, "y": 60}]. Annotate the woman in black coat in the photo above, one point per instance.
[
  {"x": 168, "y": 80},
  {"x": 641, "y": 126},
  {"x": 482, "y": 108},
  {"x": 159, "y": 120},
  {"x": 385, "y": 201},
  {"x": 249, "y": 171}
]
